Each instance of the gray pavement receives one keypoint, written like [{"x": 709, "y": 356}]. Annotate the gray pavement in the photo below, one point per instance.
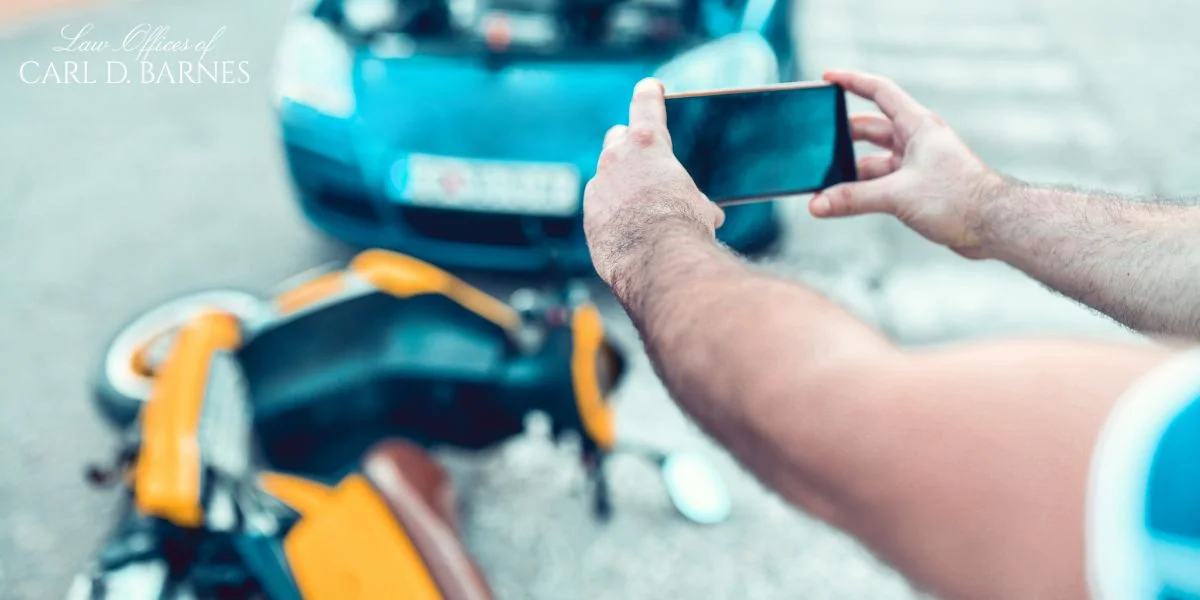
[{"x": 118, "y": 196}]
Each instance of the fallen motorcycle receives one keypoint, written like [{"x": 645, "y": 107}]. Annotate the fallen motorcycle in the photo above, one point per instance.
[{"x": 279, "y": 448}]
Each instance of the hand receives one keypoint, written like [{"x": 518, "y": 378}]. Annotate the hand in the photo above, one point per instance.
[
  {"x": 640, "y": 191},
  {"x": 929, "y": 179}
]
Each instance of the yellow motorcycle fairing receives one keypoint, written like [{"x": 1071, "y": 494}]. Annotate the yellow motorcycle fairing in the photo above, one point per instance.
[
  {"x": 396, "y": 275},
  {"x": 593, "y": 371},
  {"x": 347, "y": 545},
  {"x": 168, "y": 473},
  {"x": 404, "y": 276}
]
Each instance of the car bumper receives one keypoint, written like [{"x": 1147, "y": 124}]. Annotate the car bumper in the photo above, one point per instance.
[{"x": 337, "y": 198}]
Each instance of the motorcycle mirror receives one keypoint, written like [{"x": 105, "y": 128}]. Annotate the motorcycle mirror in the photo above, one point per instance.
[{"x": 696, "y": 488}]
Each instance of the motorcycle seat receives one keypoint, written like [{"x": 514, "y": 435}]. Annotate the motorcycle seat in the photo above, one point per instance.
[{"x": 421, "y": 497}]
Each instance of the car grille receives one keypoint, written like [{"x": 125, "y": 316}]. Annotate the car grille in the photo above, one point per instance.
[
  {"x": 348, "y": 204},
  {"x": 486, "y": 229}
]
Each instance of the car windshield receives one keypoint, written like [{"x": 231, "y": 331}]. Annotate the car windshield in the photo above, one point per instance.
[{"x": 549, "y": 27}]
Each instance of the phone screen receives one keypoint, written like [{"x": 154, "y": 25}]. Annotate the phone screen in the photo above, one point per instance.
[{"x": 762, "y": 144}]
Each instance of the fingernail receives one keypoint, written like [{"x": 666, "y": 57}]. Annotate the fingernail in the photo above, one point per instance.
[
  {"x": 648, "y": 84},
  {"x": 819, "y": 205}
]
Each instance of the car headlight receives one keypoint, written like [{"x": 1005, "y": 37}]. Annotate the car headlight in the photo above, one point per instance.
[
  {"x": 314, "y": 68},
  {"x": 737, "y": 60},
  {"x": 370, "y": 16}
]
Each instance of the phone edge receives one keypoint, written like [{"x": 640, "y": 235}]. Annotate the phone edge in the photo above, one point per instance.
[{"x": 772, "y": 87}]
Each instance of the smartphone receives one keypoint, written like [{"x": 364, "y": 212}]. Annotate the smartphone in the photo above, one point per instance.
[{"x": 742, "y": 145}]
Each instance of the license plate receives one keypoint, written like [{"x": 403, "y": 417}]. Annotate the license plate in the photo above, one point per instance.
[
  {"x": 504, "y": 28},
  {"x": 550, "y": 189}
]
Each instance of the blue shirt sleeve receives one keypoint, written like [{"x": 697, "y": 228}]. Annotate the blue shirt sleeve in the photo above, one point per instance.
[
  {"x": 1144, "y": 492},
  {"x": 1173, "y": 505}
]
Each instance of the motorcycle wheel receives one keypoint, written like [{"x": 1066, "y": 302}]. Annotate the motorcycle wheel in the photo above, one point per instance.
[{"x": 121, "y": 388}]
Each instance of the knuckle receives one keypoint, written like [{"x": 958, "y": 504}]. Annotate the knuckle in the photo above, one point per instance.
[
  {"x": 927, "y": 120},
  {"x": 608, "y": 157},
  {"x": 642, "y": 135},
  {"x": 840, "y": 199},
  {"x": 880, "y": 85}
]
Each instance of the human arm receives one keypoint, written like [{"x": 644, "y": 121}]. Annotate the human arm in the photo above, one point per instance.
[
  {"x": 966, "y": 467},
  {"x": 1129, "y": 259},
  {"x": 1133, "y": 261}
]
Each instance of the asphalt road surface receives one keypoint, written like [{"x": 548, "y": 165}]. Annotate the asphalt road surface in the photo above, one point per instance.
[{"x": 117, "y": 196}]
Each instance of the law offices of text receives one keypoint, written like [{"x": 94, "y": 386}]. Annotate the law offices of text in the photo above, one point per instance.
[{"x": 146, "y": 54}]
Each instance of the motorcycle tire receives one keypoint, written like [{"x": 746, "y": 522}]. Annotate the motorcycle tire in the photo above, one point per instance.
[{"x": 120, "y": 390}]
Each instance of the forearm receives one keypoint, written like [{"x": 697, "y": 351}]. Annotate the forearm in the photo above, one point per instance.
[
  {"x": 969, "y": 466},
  {"x": 1133, "y": 261},
  {"x": 730, "y": 345},
  {"x": 965, "y": 468}
]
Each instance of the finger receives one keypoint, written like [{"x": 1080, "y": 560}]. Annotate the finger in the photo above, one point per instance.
[
  {"x": 891, "y": 99},
  {"x": 876, "y": 129},
  {"x": 614, "y": 135},
  {"x": 648, "y": 109},
  {"x": 876, "y": 166},
  {"x": 842, "y": 200}
]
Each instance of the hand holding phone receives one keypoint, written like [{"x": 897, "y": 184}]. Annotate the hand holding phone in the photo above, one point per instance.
[{"x": 744, "y": 145}]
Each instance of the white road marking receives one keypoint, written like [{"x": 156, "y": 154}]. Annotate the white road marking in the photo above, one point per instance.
[
  {"x": 977, "y": 74},
  {"x": 889, "y": 11},
  {"x": 1029, "y": 125},
  {"x": 945, "y": 37},
  {"x": 937, "y": 302}
]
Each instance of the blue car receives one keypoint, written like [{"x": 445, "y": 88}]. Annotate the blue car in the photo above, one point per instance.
[{"x": 463, "y": 132}]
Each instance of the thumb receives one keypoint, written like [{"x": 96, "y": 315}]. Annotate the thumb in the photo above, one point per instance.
[{"x": 856, "y": 198}]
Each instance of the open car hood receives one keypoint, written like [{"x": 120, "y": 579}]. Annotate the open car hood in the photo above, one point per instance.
[{"x": 534, "y": 111}]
